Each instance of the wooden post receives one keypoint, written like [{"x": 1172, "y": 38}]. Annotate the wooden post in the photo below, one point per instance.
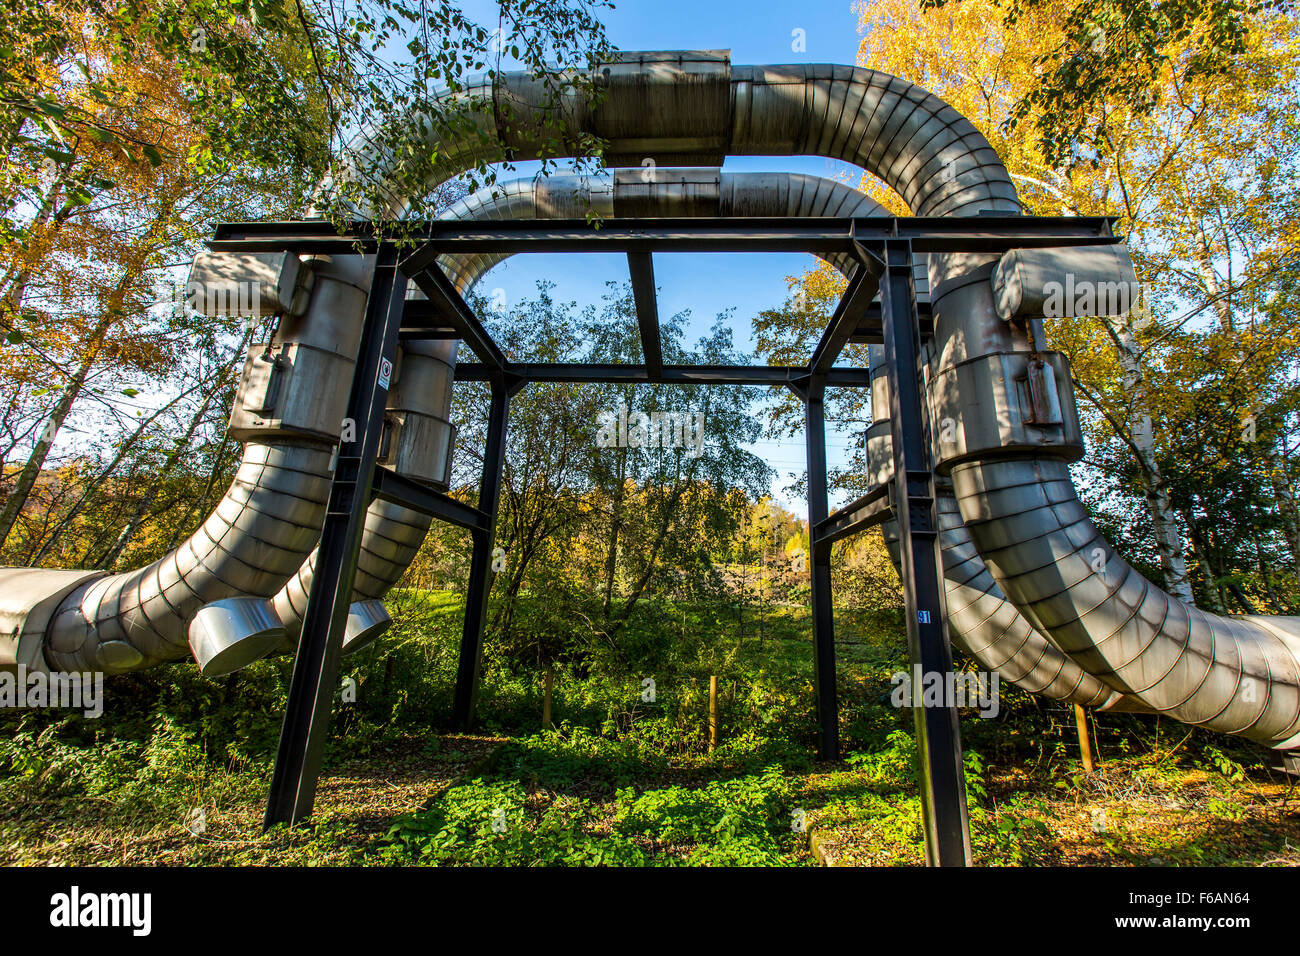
[
  {"x": 1085, "y": 743},
  {"x": 548, "y": 684},
  {"x": 713, "y": 712}
]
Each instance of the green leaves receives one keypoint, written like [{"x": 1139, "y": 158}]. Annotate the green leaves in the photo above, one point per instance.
[{"x": 1116, "y": 51}]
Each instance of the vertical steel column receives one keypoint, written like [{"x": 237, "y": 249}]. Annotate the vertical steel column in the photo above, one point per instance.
[
  {"x": 828, "y": 707},
  {"x": 316, "y": 666},
  {"x": 938, "y": 739},
  {"x": 480, "y": 565}
]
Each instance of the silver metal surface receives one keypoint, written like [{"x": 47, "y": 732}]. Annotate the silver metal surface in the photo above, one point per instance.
[
  {"x": 1231, "y": 674},
  {"x": 249, "y": 283},
  {"x": 692, "y": 107},
  {"x": 232, "y": 633},
  {"x": 983, "y": 408},
  {"x": 981, "y": 621},
  {"x": 389, "y": 544},
  {"x": 28, "y": 599},
  {"x": 257, "y": 536},
  {"x": 1053, "y": 283},
  {"x": 1226, "y": 673},
  {"x": 367, "y": 620}
]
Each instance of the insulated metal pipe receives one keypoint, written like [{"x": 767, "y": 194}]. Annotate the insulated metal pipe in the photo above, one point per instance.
[
  {"x": 268, "y": 520},
  {"x": 935, "y": 158},
  {"x": 982, "y": 622},
  {"x": 1233, "y": 674}
]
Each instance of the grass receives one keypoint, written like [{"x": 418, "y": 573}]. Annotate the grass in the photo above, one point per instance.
[{"x": 176, "y": 773}]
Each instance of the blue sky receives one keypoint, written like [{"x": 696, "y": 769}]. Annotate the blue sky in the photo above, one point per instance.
[{"x": 758, "y": 32}]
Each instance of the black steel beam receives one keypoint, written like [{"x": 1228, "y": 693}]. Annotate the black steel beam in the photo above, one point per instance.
[
  {"x": 315, "y": 668},
  {"x": 480, "y": 563},
  {"x": 824, "y": 681},
  {"x": 423, "y": 314},
  {"x": 938, "y": 738},
  {"x": 849, "y": 313},
  {"x": 426, "y": 335},
  {"x": 791, "y": 234},
  {"x": 989, "y": 234},
  {"x": 858, "y": 515},
  {"x": 454, "y": 311},
  {"x": 641, "y": 267},
  {"x": 871, "y": 330},
  {"x": 390, "y": 486},
  {"x": 677, "y": 374},
  {"x": 904, "y": 227}
]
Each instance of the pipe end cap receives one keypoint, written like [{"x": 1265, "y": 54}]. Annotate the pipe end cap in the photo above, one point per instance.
[
  {"x": 366, "y": 621},
  {"x": 228, "y": 635}
]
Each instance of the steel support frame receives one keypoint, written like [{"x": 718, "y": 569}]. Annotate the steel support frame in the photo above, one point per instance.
[
  {"x": 819, "y": 570},
  {"x": 938, "y": 736},
  {"x": 983, "y": 234},
  {"x": 884, "y": 248},
  {"x": 481, "y": 562},
  {"x": 316, "y": 665}
]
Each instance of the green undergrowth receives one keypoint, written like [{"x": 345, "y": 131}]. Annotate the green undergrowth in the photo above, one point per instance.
[{"x": 625, "y": 776}]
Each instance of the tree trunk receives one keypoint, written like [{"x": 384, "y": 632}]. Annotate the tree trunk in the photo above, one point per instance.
[
  {"x": 105, "y": 473},
  {"x": 665, "y": 524},
  {"x": 1203, "y": 554},
  {"x": 615, "y": 526},
  {"x": 31, "y": 469},
  {"x": 1286, "y": 504},
  {"x": 147, "y": 500},
  {"x": 1164, "y": 523},
  {"x": 201, "y": 502}
]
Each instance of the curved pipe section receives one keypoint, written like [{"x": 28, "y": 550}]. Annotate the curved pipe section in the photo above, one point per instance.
[
  {"x": 982, "y": 622},
  {"x": 1229, "y": 674},
  {"x": 695, "y": 107},
  {"x": 268, "y": 519},
  {"x": 928, "y": 153}
]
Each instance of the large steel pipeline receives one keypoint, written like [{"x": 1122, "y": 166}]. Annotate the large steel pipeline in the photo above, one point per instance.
[
  {"x": 982, "y": 622},
  {"x": 258, "y": 534},
  {"x": 1238, "y": 675},
  {"x": 1234, "y": 674},
  {"x": 940, "y": 165},
  {"x": 665, "y": 108},
  {"x": 695, "y": 108}
]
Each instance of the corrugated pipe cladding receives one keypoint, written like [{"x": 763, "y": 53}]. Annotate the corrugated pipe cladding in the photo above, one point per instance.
[{"x": 1020, "y": 553}]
